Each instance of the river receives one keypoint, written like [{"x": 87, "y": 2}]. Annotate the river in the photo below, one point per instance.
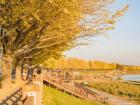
[{"x": 131, "y": 77}]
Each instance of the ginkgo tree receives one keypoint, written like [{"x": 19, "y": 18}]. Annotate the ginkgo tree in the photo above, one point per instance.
[{"x": 35, "y": 30}]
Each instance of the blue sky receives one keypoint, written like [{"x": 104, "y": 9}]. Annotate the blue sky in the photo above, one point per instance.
[{"x": 122, "y": 44}]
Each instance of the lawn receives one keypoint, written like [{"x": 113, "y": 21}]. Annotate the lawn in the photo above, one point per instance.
[{"x": 55, "y": 97}]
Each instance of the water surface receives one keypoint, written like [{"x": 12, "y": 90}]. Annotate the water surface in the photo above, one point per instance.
[{"x": 131, "y": 77}]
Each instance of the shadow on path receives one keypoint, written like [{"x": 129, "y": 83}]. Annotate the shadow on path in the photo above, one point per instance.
[{"x": 13, "y": 99}]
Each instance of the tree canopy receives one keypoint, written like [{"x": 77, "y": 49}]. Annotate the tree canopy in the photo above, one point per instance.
[
  {"x": 35, "y": 30},
  {"x": 81, "y": 64}
]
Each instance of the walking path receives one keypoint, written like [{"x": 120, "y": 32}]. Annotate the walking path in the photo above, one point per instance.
[
  {"x": 12, "y": 87},
  {"x": 13, "y": 99},
  {"x": 115, "y": 100},
  {"x": 23, "y": 90}
]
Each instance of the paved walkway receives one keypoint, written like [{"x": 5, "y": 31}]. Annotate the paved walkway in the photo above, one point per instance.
[
  {"x": 4, "y": 91},
  {"x": 13, "y": 99},
  {"x": 115, "y": 100}
]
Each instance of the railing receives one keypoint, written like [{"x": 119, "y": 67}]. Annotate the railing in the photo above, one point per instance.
[{"x": 74, "y": 88}]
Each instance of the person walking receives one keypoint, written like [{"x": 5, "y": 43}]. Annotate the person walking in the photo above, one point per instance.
[
  {"x": 13, "y": 74},
  {"x": 29, "y": 74}
]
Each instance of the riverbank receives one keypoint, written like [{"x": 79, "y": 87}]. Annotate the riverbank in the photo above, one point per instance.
[
  {"x": 125, "y": 90},
  {"x": 114, "y": 100}
]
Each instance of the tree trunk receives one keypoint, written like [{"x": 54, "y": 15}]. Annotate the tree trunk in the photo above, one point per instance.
[
  {"x": 6, "y": 71},
  {"x": 18, "y": 74}
]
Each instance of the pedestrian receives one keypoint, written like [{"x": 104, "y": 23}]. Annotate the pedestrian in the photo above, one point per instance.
[
  {"x": 29, "y": 74},
  {"x": 34, "y": 73},
  {"x": 13, "y": 75}
]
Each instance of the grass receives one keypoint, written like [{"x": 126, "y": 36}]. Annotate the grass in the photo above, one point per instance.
[
  {"x": 55, "y": 97},
  {"x": 118, "y": 88}
]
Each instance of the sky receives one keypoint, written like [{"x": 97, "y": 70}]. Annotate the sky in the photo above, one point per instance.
[{"x": 122, "y": 45}]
